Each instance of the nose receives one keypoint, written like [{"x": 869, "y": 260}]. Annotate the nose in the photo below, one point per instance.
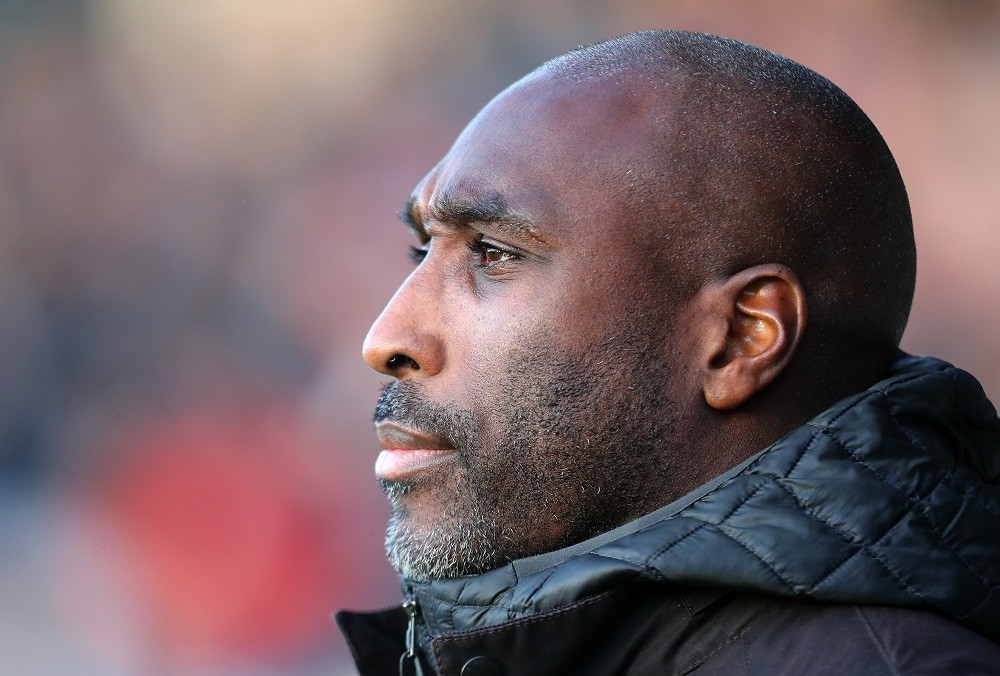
[{"x": 406, "y": 341}]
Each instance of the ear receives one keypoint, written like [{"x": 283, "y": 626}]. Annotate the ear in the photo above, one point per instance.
[{"x": 756, "y": 320}]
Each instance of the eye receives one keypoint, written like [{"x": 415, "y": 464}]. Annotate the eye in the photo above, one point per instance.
[
  {"x": 491, "y": 255},
  {"x": 416, "y": 254}
]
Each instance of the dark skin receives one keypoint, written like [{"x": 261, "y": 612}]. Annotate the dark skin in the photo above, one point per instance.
[{"x": 526, "y": 238}]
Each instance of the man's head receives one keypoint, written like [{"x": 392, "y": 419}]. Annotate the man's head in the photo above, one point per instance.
[{"x": 615, "y": 263}]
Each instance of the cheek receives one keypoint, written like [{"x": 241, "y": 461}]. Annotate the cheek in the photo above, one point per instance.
[
  {"x": 504, "y": 367},
  {"x": 563, "y": 316},
  {"x": 595, "y": 310},
  {"x": 495, "y": 328}
]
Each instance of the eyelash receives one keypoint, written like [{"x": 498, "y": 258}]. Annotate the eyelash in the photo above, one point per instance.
[{"x": 418, "y": 254}]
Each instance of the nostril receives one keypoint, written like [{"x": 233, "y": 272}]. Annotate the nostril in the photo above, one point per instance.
[{"x": 399, "y": 361}]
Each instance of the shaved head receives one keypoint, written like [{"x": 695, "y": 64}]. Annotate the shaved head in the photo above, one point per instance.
[{"x": 761, "y": 160}]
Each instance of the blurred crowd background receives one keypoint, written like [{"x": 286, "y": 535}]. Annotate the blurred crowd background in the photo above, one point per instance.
[{"x": 197, "y": 228}]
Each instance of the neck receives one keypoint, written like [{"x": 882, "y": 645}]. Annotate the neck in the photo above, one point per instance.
[{"x": 719, "y": 440}]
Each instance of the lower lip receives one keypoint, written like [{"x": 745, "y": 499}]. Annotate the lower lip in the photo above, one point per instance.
[{"x": 396, "y": 463}]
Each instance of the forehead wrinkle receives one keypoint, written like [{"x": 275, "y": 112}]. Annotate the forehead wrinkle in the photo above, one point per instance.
[{"x": 492, "y": 209}]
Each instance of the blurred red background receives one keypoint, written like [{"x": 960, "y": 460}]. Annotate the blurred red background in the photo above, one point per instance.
[{"x": 196, "y": 229}]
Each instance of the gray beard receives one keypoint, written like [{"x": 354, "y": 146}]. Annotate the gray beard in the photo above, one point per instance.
[
  {"x": 582, "y": 450},
  {"x": 471, "y": 542}
]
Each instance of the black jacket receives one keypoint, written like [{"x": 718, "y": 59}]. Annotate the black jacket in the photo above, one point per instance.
[{"x": 866, "y": 541}]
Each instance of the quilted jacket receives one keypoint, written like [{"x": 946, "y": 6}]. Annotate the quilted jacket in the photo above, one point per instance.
[{"x": 866, "y": 541}]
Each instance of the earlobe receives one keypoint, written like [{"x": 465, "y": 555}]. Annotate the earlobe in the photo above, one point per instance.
[{"x": 760, "y": 313}]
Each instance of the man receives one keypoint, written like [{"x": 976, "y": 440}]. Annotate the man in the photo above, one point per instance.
[{"x": 648, "y": 413}]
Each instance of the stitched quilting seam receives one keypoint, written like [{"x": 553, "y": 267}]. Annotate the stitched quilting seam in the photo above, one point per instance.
[
  {"x": 722, "y": 522},
  {"x": 992, "y": 584},
  {"x": 966, "y": 490},
  {"x": 638, "y": 566},
  {"x": 896, "y": 384},
  {"x": 529, "y": 600},
  {"x": 789, "y": 584},
  {"x": 902, "y": 430},
  {"x": 458, "y": 604},
  {"x": 666, "y": 548},
  {"x": 861, "y": 547},
  {"x": 455, "y": 604},
  {"x": 663, "y": 550},
  {"x": 847, "y": 409},
  {"x": 918, "y": 502},
  {"x": 845, "y": 537},
  {"x": 751, "y": 469},
  {"x": 802, "y": 454}
]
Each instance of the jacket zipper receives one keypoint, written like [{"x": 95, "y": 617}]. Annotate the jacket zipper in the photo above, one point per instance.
[{"x": 410, "y": 607}]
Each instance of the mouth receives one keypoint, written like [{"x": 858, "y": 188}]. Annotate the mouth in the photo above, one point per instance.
[{"x": 407, "y": 452}]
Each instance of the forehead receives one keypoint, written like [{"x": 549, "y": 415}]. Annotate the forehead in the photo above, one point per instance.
[{"x": 553, "y": 153}]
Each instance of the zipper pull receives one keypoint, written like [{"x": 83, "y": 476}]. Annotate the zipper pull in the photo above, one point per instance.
[{"x": 410, "y": 607}]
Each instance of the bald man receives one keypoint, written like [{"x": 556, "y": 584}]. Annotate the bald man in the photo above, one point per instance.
[{"x": 648, "y": 413}]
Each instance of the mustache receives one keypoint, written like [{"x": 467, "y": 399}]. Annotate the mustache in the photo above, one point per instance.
[{"x": 403, "y": 403}]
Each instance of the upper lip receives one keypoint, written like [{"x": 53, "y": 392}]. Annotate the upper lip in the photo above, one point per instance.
[{"x": 392, "y": 436}]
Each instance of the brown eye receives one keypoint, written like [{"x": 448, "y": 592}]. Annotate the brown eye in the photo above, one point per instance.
[{"x": 490, "y": 255}]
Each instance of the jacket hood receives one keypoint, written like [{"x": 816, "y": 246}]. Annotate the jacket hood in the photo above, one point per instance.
[{"x": 891, "y": 497}]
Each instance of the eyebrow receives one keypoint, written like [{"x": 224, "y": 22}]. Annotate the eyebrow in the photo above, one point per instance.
[{"x": 461, "y": 212}]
